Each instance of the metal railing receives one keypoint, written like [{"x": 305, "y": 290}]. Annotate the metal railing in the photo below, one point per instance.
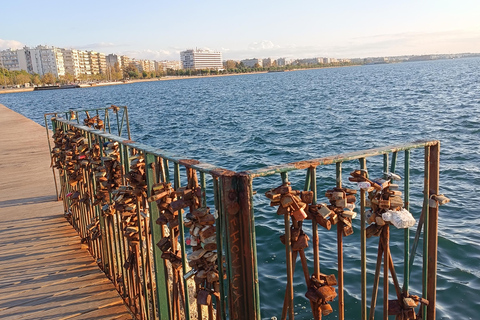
[{"x": 143, "y": 247}]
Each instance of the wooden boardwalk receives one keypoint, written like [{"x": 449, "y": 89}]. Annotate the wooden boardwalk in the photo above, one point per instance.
[{"x": 44, "y": 271}]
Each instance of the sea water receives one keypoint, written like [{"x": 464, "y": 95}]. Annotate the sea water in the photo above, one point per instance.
[{"x": 250, "y": 121}]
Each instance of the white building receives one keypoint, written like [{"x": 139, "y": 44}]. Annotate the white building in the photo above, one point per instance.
[
  {"x": 251, "y": 63},
  {"x": 281, "y": 62},
  {"x": 164, "y": 65},
  {"x": 201, "y": 59},
  {"x": 43, "y": 60},
  {"x": 12, "y": 60},
  {"x": 71, "y": 62}
]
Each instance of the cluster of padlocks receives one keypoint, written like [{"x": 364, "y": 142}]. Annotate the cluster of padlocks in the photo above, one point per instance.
[
  {"x": 93, "y": 122},
  {"x": 200, "y": 221},
  {"x": 321, "y": 292},
  {"x": 68, "y": 153},
  {"x": 299, "y": 205}
]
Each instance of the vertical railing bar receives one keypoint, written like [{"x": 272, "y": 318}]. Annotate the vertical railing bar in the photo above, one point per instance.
[
  {"x": 107, "y": 117},
  {"x": 119, "y": 129},
  {"x": 416, "y": 240},
  {"x": 406, "y": 234},
  {"x": 363, "y": 246},
  {"x": 393, "y": 165},
  {"x": 219, "y": 232},
  {"x": 121, "y": 124},
  {"x": 253, "y": 245},
  {"x": 181, "y": 227},
  {"x": 162, "y": 299},
  {"x": 203, "y": 185},
  {"x": 308, "y": 178},
  {"x": 434, "y": 177},
  {"x": 386, "y": 265},
  {"x": 426, "y": 192},
  {"x": 385, "y": 162},
  {"x": 128, "y": 122},
  {"x": 167, "y": 171},
  {"x": 341, "y": 306},
  {"x": 385, "y": 236},
  {"x": 177, "y": 184},
  {"x": 50, "y": 149},
  {"x": 143, "y": 247},
  {"x": 284, "y": 176},
  {"x": 288, "y": 262},
  {"x": 288, "y": 253}
]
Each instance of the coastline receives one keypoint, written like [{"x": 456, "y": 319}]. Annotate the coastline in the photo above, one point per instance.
[{"x": 166, "y": 78}]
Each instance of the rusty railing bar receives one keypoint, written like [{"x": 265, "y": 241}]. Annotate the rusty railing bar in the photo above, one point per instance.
[{"x": 262, "y": 172}]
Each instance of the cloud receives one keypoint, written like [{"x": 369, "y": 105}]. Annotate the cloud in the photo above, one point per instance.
[
  {"x": 148, "y": 54},
  {"x": 10, "y": 44},
  {"x": 262, "y": 45},
  {"x": 98, "y": 45},
  {"x": 408, "y": 43}
]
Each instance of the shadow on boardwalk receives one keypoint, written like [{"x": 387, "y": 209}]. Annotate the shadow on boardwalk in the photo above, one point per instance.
[{"x": 44, "y": 272}]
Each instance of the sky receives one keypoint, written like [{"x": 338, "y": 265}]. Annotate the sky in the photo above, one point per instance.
[{"x": 160, "y": 29}]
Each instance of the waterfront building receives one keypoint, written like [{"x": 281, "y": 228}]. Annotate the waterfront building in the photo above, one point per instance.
[
  {"x": 125, "y": 61},
  {"x": 41, "y": 60},
  {"x": 281, "y": 62},
  {"x": 309, "y": 61},
  {"x": 145, "y": 65},
  {"x": 12, "y": 60},
  {"x": 164, "y": 65},
  {"x": 201, "y": 59},
  {"x": 71, "y": 62},
  {"x": 97, "y": 61},
  {"x": 267, "y": 62},
  {"x": 102, "y": 63},
  {"x": 252, "y": 63},
  {"x": 84, "y": 63},
  {"x": 112, "y": 59}
]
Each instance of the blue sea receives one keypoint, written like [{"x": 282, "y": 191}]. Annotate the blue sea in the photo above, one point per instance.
[{"x": 246, "y": 122}]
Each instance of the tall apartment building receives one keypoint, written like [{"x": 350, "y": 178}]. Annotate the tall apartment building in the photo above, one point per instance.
[
  {"x": 12, "y": 60},
  {"x": 125, "y": 61},
  {"x": 93, "y": 60},
  {"x": 41, "y": 60},
  {"x": 71, "y": 61},
  {"x": 112, "y": 59},
  {"x": 281, "y": 62},
  {"x": 201, "y": 59},
  {"x": 251, "y": 63},
  {"x": 267, "y": 62},
  {"x": 84, "y": 63}
]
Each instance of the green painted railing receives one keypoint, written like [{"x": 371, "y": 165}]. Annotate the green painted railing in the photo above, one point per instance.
[{"x": 156, "y": 286}]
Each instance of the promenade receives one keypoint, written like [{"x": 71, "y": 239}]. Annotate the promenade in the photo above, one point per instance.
[{"x": 44, "y": 271}]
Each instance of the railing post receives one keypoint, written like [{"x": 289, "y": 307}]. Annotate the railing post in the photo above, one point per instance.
[
  {"x": 341, "y": 303},
  {"x": 426, "y": 229},
  {"x": 434, "y": 174},
  {"x": 237, "y": 207},
  {"x": 157, "y": 235}
]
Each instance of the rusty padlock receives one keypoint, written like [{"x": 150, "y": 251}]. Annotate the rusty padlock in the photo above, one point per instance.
[{"x": 204, "y": 297}]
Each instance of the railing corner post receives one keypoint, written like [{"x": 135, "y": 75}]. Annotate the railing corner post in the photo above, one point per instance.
[{"x": 237, "y": 206}]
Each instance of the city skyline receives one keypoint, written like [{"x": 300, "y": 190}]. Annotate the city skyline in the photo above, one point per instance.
[{"x": 248, "y": 30}]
